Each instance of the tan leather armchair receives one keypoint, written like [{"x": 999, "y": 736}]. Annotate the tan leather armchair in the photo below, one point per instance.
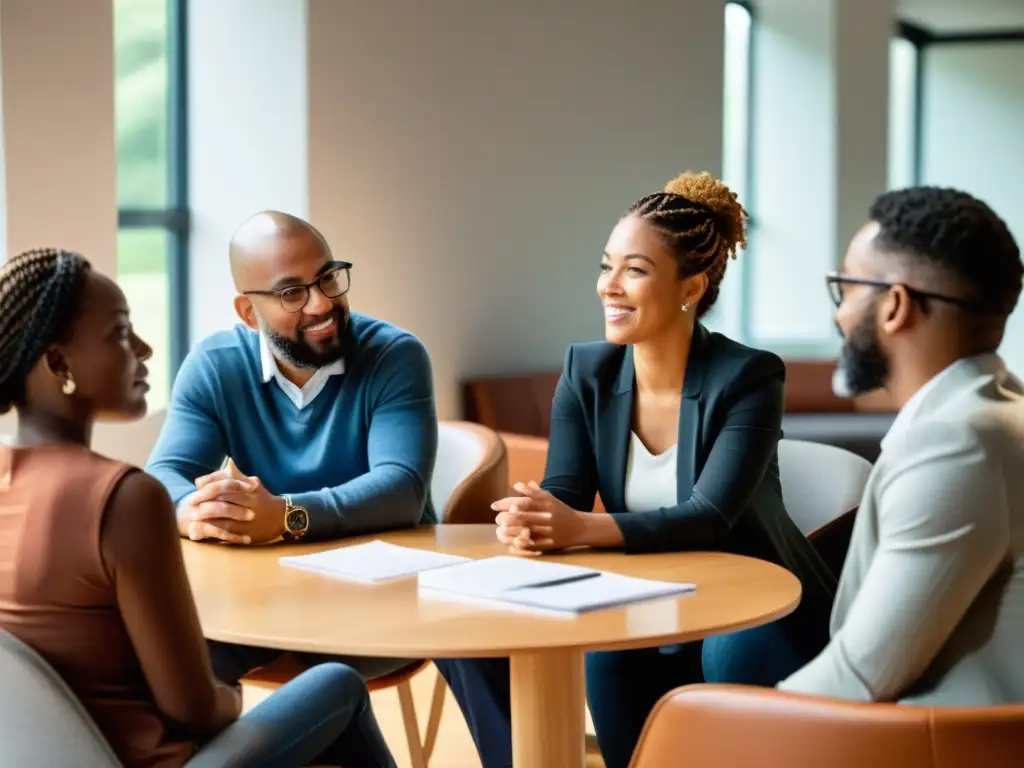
[
  {"x": 471, "y": 472},
  {"x": 527, "y": 457},
  {"x": 723, "y": 726}
]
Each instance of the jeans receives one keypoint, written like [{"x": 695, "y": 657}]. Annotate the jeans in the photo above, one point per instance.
[
  {"x": 321, "y": 717},
  {"x": 623, "y": 686},
  {"x": 232, "y": 662}
]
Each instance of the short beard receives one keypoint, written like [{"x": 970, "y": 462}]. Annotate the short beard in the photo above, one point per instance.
[
  {"x": 862, "y": 366},
  {"x": 301, "y": 354}
]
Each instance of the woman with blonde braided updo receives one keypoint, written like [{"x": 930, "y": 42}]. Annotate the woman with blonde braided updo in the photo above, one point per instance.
[
  {"x": 91, "y": 571},
  {"x": 676, "y": 428}
]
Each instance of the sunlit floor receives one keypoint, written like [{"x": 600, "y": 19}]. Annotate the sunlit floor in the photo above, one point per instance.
[{"x": 454, "y": 747}]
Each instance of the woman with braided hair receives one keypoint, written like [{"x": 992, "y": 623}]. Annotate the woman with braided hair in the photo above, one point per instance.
[
  {"x": 91, "y": 571},
  {"x": 676, "y": 428}
]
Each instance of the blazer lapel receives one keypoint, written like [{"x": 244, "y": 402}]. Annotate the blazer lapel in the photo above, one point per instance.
[
  {"x": 690, "y": 426},
  {"x": 617, "y": 423},
  {"x": 618, "y": 420}
]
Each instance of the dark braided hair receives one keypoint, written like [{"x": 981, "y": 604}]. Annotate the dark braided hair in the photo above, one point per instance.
[
  {"x": 38, "y": 294},
  {"x": 958, "y": 235},
  {"x": 702, "y": 222}
]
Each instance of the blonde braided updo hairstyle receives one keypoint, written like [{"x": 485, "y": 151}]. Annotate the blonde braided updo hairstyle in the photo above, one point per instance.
[
  {"x": 38, "y": 291},
  {"x": 703, "y": 223}
]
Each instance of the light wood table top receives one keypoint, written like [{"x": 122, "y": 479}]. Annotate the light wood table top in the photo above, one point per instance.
[{"x": 245, "y": 596}]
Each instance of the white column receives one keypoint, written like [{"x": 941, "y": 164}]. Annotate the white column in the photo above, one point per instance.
[
  {"x": 820, "y": 156},
  {"x": 59, "y": 166},
  {"x": 247, "y": 134},
  {"x": 472, "y": 158}
]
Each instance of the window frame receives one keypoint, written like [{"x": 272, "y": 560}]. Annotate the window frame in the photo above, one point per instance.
[{"x": 176, "y": 219}]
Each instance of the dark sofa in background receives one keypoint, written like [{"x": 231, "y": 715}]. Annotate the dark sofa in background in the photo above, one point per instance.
[{"x": 521, "y": 404}]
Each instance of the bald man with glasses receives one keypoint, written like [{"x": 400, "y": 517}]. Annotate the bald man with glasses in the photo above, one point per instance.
[{"x": 305, "y": 422}]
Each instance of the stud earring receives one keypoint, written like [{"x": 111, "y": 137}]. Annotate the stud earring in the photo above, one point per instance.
[
  {"x": 69, "y": 385},
  {"x": 686, "y": 307}
]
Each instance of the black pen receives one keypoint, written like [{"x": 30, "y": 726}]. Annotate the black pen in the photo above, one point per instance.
[{"x": 558, "y": 582}]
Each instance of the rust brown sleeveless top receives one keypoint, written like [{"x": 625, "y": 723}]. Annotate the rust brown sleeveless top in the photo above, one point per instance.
[{"x": 56, "y": 596}]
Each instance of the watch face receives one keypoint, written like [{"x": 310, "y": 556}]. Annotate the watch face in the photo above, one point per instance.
[{"x": 297, "y": 520}]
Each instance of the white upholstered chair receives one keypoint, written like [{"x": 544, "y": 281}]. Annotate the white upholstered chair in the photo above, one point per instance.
[
  {"x": 820, "y": 483},
  {"x": 41, "y": 720}
]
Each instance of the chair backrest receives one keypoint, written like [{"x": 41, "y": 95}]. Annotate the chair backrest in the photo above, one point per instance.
[
  {"x": 128, "y": 441},
  {"x": 41, "y": 720},
  {"x": 697, "y": 726},
  {"x": 527, "y": 460},
  {"x": 470, "y": 473},
  {"x": 820, "y": 483}
]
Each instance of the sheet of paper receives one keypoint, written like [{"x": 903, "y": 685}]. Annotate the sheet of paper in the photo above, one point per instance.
[
  {"x": 606, "y": 591},
  {"x": 542, "y": 585},
  {"x": 493, "y": 575},
  {"x": 372, "y": 562}
]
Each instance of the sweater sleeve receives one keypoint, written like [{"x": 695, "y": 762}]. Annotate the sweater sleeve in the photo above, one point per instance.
[
  {"x": 192, "y": 442},
  {"x": 401, "y": 450}
]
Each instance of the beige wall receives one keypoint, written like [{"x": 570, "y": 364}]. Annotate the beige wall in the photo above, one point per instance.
[
  {"x": 471, "y": 158},
  {"x": 58, "y": 127}
]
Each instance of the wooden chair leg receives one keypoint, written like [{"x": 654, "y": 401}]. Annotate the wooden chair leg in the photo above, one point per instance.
[
  {"x": 412, "y": 728},
  {"x": 436, "y": 710}
]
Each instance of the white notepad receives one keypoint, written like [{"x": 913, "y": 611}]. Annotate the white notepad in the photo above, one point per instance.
[
  {"x": 520, "y": 583},
  {"x": 373, "y": 562},
  {"x": 496, "y": 574}
]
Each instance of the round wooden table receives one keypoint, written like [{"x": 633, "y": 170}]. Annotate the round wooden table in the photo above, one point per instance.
[{"x": 245, "y": 596}]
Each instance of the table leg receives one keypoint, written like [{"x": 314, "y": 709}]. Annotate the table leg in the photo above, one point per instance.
[{"x": 548, "y": 722}]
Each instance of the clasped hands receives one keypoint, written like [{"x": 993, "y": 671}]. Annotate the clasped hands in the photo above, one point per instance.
[
  {"x": 535, "y": 521},
  {"x": 232, "y": 507}
]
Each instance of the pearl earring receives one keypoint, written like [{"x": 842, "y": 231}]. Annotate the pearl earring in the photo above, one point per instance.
[
  {"x": 69, "y": 385},
  {"x": 686, "y": 307}
]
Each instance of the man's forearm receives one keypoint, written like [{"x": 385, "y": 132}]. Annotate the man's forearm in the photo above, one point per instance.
[
  {"x": 177, "y": 484},
  {"x": 383, "y": 499}
]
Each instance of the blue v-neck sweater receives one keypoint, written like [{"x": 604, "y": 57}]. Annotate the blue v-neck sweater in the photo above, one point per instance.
[{"x": 359, "y": 457}]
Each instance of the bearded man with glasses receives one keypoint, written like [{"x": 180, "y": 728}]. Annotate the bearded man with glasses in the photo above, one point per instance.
[
  {"x": 305, "y": 422},
  {"x": 930, "y": 604}
]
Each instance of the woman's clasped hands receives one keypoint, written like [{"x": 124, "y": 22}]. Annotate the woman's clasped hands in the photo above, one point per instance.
[{"x": 536, "y": 521}]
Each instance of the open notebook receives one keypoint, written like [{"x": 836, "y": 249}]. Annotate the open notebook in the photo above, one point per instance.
[
  {"x": 373, "y": 562},
  {"x": 537, "y": 584}
]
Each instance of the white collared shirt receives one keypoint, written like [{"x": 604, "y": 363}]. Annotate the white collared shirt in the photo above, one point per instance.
[{"x": 300, "y": 396}]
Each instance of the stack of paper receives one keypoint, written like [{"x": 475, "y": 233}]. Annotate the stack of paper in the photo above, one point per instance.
[
  {"x": 373, "y": 562},
  {"x": 543, "y": 585}
]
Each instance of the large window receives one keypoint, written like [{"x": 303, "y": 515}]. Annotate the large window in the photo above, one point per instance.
[
  {"x": 152, "y": 247},
  {"x": 736, "y": 115},
  {"x": 903, "y": 117},
  {"x": 730, "y": 312}
]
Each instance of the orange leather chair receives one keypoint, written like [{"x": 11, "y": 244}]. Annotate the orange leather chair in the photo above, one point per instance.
[
  {"x": 471, "y": 471},
  {"x": 725, "y": 726},
  {"x": 527, "y": 457}
]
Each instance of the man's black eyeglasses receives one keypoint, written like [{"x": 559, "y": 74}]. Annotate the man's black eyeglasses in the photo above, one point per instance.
[
  {"x": 835, "y": 282},
  {"x": 334, "y": 282}
]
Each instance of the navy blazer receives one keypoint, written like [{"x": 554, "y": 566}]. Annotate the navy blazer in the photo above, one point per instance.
[{"x": 728, "y": 489}]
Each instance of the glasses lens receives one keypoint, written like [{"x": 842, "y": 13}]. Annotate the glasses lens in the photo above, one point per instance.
[
  {"x": 294, "y": 299},
  {"x": 334, "y": 283},
  {"x": 835, "y": 290}
]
